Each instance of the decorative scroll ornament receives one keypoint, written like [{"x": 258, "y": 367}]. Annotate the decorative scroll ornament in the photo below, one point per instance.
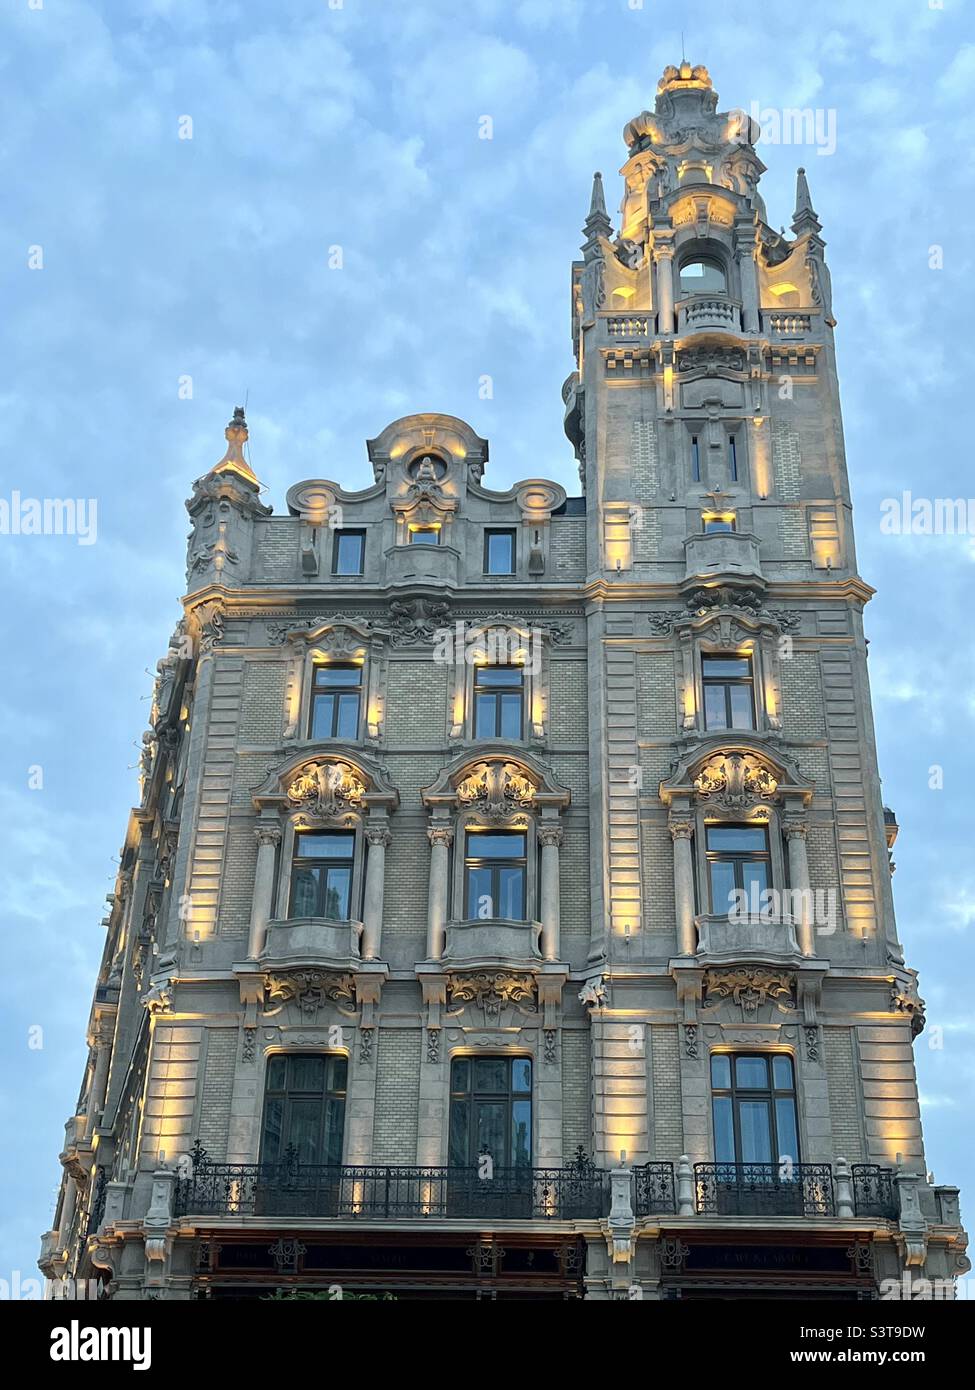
[
  {"x": 750, "y": 988},
  {"x": 905, "y": 999},
  {"x": 497, "y": 790},
  {"x": 734, "y": 780},
  {"x": 311, "y": 990},
  {"x": 492, "y": 990},
  {"x": 594, "y": 993},
  {"x": 327, "y": 789},
  {"x": 416, "y": 620}
]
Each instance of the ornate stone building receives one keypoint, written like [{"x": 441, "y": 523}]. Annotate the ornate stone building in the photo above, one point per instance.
[{"x": 508, "y": 909}]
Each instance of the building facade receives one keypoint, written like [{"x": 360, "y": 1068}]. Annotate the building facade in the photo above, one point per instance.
[{"x": 508, "y": 910}]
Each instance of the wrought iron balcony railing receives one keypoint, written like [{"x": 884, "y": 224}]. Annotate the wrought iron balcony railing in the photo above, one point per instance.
[
  {"x": 764, "y": 1189},
  {"x": 396, "y": 1192},
  {"x": 653, "y": 1189},
  {"x": 873, "y": 1191}
]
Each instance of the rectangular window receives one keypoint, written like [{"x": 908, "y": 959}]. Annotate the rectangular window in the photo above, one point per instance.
[
  {"x": 349, "y": 552},
  {"x": 695, "y": 459},
  {"x": 499, "y": 552},
  {"x": 712, "y": 523},
  {"x": 490, "y": 1111},
  {"x": 495, "y": 873},
  {"x": 732, "y": 458},
  {"x": 728, "y": 692},
  {"x": 738, "y": 862},
  {"x": 335, "y": 698},
  {"x": 424, "y": 535},
  {"x": 754, "y": 1108},
  {"x": 304, "y": 1109},
  {"x": 499, "y": 693},
  {"x": 321, "y": 874}
]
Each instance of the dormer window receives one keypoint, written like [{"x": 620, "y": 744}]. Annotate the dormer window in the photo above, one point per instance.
[
  {"x": 703, "y": 276},
  {"x": 424, "y": 535}
]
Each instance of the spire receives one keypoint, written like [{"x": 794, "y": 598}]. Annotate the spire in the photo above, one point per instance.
[
  {"x": 804, "y": 218},
  {"x": 597, "y": 224},
  {"x": 233, "y": 460}
]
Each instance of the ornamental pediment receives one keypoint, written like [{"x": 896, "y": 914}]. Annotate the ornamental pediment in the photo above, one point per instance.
[
  {"x": 327, "y": 785},
  {"x": 738, "y": 776}
]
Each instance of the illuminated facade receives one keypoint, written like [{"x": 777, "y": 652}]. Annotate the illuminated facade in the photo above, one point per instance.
[{"x": 508, "y": 909}]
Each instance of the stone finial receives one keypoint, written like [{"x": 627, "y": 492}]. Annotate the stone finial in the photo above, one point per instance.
[
  {"x": 683, "y": 78},
  {"x": 804, "y": 218},
  {"x": 597, "y": 224},
  {"x": 233, "y": 460}
]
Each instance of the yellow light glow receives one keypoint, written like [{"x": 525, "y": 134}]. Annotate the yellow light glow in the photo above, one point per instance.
[
  {"x": 783, "y": 287},
  {"x": 624, "y": 292},
  {"x": 668, "y": 379},
  {"x": 690, "y": 706}
]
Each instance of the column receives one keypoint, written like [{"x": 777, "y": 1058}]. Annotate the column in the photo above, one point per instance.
[
  {"x": 268, "y": 838},
  {"x": 746, "y": 248},
  {"x": 104, "y": 1032},
  {"x": 681, "y": 832},
  {"x": 795, "y": 832},
  {"x": 378, "y": 839},
  {"x": 441, "y": 838},
  {"x": 663, "y": 259},
  {"x": 550, "y": 838}
]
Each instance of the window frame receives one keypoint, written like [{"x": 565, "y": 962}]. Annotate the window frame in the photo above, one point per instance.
[
  {"x": 343, "y": 531},
  {"x": 710, "y": 682},
  {"x": 736, "y": 1093},
  {"x": 489, "y": 533},
  {"x": 325, "y": 862},
  {"x": 706, "y": 258},
  {"x": 511, "y": 1096},
  {"x": 423, "y": 529},
  {"x": 318, "y": 692},
  {"x": 494, "y": 865},
  {"x": 328, "y": 1094},
  {"x": 497, "y": 691},
  {"x": 737, "y": 858}
]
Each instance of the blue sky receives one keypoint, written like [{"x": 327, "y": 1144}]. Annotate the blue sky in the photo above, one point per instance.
[{"x": 317, "y": 125}]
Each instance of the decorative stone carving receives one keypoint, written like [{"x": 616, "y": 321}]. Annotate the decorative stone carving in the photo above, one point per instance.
[
  {"x": 311, "y": 990},
  {"x": 267, "y": 834},
  {"x": 723, "y": 595},
  {"x": 378, "y": 835},
  {"x": 662, "y": 623},
  {"x": 811, "y": 1033},
  {"x": 249, "y": 1045},
  {"x": 367, "y": 1037},
  {"x": 416, "y": 620},
  {"x": 327, "y": 789},
  {"x": 905, "y": 999},
  {"x": 750, "y": 987},
  {"x": 210, "y": 617},
  {"x": 492, "y": 990},
  {"x": 497, "y": 790},
  {"x": 690, "y": 1040},
  {"x": 433, "y": 1045},
  {"x": 734, "y": 780},
  {"x": 550, "y": 835},
  {"x": 441, "y": 835},
  {"x": 594, "y": 992},
  {"x": 551, "y": 1041},
  {"x": 158, "y": 999}
]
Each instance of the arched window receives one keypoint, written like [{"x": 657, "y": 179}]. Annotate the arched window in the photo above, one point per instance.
[{"x": 703, "y": 275}]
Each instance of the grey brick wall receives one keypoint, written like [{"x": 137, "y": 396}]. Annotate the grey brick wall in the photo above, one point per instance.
[
  {"x": 397, "y": 1095},
  {"x": 844, "y": 1095},
  {"x": 802, "y": 696},
  {"x": 659, "y": 908},
  {"x": 569, "y": 548},
  {"x": 275, "y": 549},
  {"x": 213, "y": 1122},
  {"x": 568, "y": 703},
  {"x": 262, "y": 708},
  {"x": 416, "y": 702},
  {"x": 668, "y": 1127},
  {"x": 656, "y": 700},
  {"x": 237, "y": 888},
  {"x": 576, "y": 1105}
]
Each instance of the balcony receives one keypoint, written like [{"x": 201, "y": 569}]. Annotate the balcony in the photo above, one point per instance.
[
  {"x": 707, "y": 313},
  {"x": 422, "y": 564},
  {"x": 783, "y": 324},
  {"x": 711, "y": 555},
  {"x": 314, "y": 940},
  {"x": 493, "y": 941},
  {"x": 722, "y": 941},
  {"x": 763, "y": 1190},
  {"x": 396, "y": 1193}
]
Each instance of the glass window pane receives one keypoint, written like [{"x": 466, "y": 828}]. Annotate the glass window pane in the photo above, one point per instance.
[
  {"x": 511, "y": 891},
  {"x": 307, "y": 1073},
  {"x": 490, "y": 1074},
  {"x": 329, "y": 676},
  {"x": 726, "y": 666},
  {"x": 521, "y": 1133},
  {"x": 756, "y": 1134},
  {"x": 722, "y": 886},
  {"x": 724, "y": 1130},
  {"x": 754, "y": 877},
  {"x": 460, "y": 1117},
  {"x": 271, "y": 1147},
  {"x": 521, "y": 1074},
  {"x": 338, "y": 1071},
  {"x": 721, "y": 1071},
  {"x": 425, "y": 536},
  {"x": 347, "y": 725},
  {"x": 480, "y": 900},
  {"x": 702, "y": 277},
  {"x": 715, "y": 713},
  {"x": 736, "y": 837},
  {"x": 741, "y": 706},
  {"x": 484, "y": 716},
  {"x": 304, "y": 1120},
  {"x": 500, "y": 675},
  {"x": 511, "y": 716},
  {"x": 334, "y": 1127},
  {"x": 786, "y": 1130},
  {"x": 322, "y": 715},
  {"x": 489, "y": 1126},
  {"x": 304, "y": 893},
  {"x": 491, "y": 845},
  {"x": 782, "y": 1073},
  {"x": 337, "y": 894},
  {"x": 276, "y": 1071},
  {"x": 500, "y": 548},
  {"x": 327, "y": 845},
  {"x": 751, "y": 1073},
  {"x": 460, "y": 1074}
]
